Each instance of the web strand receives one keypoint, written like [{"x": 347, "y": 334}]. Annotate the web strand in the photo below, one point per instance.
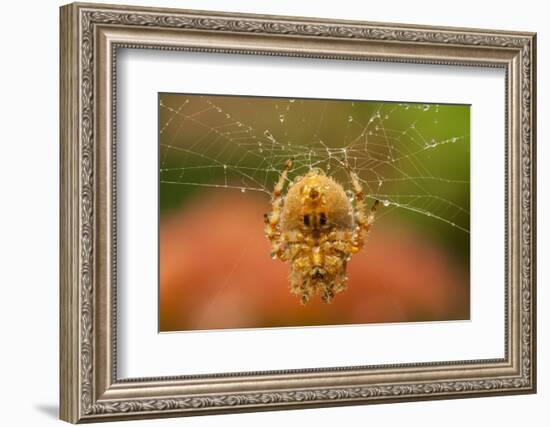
[{"x": 242, "y": 143}]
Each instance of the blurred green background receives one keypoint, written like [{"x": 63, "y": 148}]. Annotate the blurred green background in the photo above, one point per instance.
[{"x": 222, "y": 151}]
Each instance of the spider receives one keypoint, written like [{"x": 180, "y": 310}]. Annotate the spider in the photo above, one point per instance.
[{"x": 316, "y": 229}]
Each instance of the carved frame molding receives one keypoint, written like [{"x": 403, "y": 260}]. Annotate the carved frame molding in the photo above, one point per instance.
[{"x": 90, "y": 37}]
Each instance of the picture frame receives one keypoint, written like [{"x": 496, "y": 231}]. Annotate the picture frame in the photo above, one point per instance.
[{"x": 91, "y": 35}]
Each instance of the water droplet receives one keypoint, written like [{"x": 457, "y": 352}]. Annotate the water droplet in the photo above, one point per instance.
[
  {"x": 218, "y": 109},
  {"x": 291, "y": 100},
  {"x": 406, "y": 106},
  {"x": 328, "y": 166},
  {"x": 224, "y": 167},
  {"x": 350, "y": 119},
  {"x": 379, "y": 183},
  {"x": 386, "y": 202},
  {"x": 425, "y": 107},
  {"x": 281, "y": 118},
  {"x": 243, "y": 190},
  {"x": 453, "y": 139}
]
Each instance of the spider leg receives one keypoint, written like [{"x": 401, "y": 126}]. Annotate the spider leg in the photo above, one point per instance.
[
  {"x": 339, "y": 242},
  {"x": 335, "y": 281},
  {"x": 300, "y": 282},
  {"x": 364, "y": 221},
  {"x": 272, "y": 220},
  {"x": 341, "y": 284}
]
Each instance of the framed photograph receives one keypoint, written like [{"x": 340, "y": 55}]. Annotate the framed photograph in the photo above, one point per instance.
[{"x": 266, "y": 212}]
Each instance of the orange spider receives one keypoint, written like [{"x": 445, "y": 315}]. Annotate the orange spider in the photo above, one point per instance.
[{"x": 316, "y": 229}]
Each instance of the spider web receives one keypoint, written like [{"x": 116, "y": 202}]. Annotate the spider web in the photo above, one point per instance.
[{"x": 401, "y": 152}]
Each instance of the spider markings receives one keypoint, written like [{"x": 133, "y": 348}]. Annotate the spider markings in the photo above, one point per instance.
[{"x": 316, "y": 229}]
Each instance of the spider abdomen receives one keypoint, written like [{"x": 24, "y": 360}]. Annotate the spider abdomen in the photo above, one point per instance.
[{"x": 316, "y": 202}]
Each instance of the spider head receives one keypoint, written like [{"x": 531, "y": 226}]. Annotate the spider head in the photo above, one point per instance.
[{"x": 318, "y": 273}]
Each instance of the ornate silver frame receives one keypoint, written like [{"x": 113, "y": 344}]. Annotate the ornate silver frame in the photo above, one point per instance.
[{"x": 90, "y": 36}]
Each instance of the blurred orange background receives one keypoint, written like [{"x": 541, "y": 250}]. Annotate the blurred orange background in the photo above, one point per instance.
[{"x": 216, "y": 273}]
